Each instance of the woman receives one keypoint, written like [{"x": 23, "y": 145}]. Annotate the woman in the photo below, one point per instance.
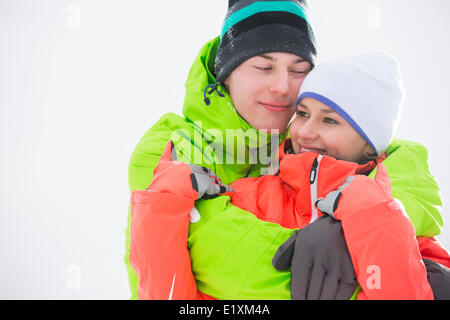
[{"x": 246, "y": 80}]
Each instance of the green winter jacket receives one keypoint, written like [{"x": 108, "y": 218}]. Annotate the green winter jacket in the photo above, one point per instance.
[{"x": 215, "y": 136}]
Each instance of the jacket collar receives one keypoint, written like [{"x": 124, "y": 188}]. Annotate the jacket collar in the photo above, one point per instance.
[
  {"x": 295, "y": 169},
  {"x": 218, "y": 121}
]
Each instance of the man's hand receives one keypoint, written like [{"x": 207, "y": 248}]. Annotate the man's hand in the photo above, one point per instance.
[
  {"x": 188, "y": 180},
  {"x": 438, "y": 277}
]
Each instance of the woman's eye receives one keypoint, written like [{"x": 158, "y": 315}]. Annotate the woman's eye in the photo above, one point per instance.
[
  {"x": 302, "y": 114},
  {"x": 330, "y": 121}
]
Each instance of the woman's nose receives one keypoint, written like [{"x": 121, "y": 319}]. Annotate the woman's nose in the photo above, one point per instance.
[{"x": 307, "y": 131}]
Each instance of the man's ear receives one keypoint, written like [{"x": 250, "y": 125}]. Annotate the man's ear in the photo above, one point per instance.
[{"x": 225, "y": 85}]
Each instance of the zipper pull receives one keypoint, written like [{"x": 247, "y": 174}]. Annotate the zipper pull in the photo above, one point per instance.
[{"x": 312, "y": 176}]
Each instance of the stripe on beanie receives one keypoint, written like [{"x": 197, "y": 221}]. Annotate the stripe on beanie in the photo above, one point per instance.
[
  {"x": 338, "y": 110},
  {"x": 262, "y": 6},
  {"x": 261, "y": 19},
  {"x": 239, "y": 4}
]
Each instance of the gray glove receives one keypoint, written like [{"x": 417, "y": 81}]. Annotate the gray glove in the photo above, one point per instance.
[
  {"x": 206, "y": 182},
  {"x": 186, "y": 179},
  {"x": 321, "y": 266},
  {"x": 439, "y": 279}
]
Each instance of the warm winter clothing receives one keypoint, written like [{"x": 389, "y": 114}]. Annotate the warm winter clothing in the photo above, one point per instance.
[
  {"x": 254, "y": 27},
  {"x": 246, "y": 240},
  {"x": 192, "y": 183},
  {"x": 226, "y": 277},
  {"x": 200, "y": 137},
  {"x": 320, "y": 263},
  {"x": 226, "y": 269},
  {"x": 365, "y": 89}
]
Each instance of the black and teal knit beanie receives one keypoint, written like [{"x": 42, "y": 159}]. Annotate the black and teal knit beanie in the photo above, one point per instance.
[{"x": 255, "y": 27}]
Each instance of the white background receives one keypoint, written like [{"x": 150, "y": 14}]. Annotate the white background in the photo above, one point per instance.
[{"x": 81, "y": 82}]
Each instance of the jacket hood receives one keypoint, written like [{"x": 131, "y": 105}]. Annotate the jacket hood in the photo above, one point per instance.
[
  {"x": 220, "y": 113},
  {"x": 414, "y": 185},
  {"x": 218, "y": 117}
]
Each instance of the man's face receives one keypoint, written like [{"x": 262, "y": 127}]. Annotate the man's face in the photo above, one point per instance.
[
  {"x": 264, "y": 89},
  {"x": 319, "y": 129}
]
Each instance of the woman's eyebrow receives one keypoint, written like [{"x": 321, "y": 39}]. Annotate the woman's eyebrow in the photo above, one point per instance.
[
  {"x": 303, "y": 106},
  {"x": 326, "y": 111}
]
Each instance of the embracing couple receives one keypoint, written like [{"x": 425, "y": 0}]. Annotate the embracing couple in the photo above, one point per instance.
[{"x": 337, "y": 208}]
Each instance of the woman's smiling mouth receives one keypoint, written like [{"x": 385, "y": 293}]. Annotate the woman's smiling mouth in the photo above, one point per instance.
[{"x": 310, "y": 149}]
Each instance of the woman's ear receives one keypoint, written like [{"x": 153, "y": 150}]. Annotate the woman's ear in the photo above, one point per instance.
[{"x": 369, "y": 153}]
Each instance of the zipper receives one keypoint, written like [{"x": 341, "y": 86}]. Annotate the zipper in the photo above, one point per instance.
[{"x": 313, "y": 186}]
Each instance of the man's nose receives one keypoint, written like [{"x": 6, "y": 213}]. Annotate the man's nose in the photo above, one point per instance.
[{"x": 280, "y": 83}]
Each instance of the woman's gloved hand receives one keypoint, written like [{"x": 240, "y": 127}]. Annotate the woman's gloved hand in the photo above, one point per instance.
[{"x": 320, "y": 263}]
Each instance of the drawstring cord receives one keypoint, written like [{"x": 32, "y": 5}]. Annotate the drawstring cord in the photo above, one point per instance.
[{"x": 213, "y": 88}]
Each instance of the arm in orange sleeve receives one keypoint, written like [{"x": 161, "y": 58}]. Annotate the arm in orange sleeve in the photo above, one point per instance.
[
  {"x": 437, "y": 261},
  {"x": 158, "y": 251},
  {"x": 159, "y": 229},
  {"x": 385, "y": 254},
  {"x": 430, "y": 248},
  {"x": 380, "y": 238}
]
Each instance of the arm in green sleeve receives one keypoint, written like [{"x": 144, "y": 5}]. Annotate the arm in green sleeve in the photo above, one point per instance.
[
  {"x": 414, "y": 185},
  {"x": 231, "y": 252}
]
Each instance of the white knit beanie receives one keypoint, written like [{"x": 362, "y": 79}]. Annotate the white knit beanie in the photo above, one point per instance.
[{"x": 365, "y": 89}]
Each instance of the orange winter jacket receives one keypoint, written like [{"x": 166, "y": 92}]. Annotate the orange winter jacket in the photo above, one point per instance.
[{"x": 386, "y": 254}]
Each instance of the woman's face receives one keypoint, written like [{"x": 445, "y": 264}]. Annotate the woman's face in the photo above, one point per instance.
[
  {"x": 264, "y": 89},
  {"x": 317, "y": 128}
]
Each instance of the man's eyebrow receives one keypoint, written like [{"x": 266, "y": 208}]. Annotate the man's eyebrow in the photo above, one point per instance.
[
  {"x": 265, "y": 56},
  {"x": 299, "y": 60},
  {"x": 268, "y": 57},
  {"x": 326, "y": 111}
]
